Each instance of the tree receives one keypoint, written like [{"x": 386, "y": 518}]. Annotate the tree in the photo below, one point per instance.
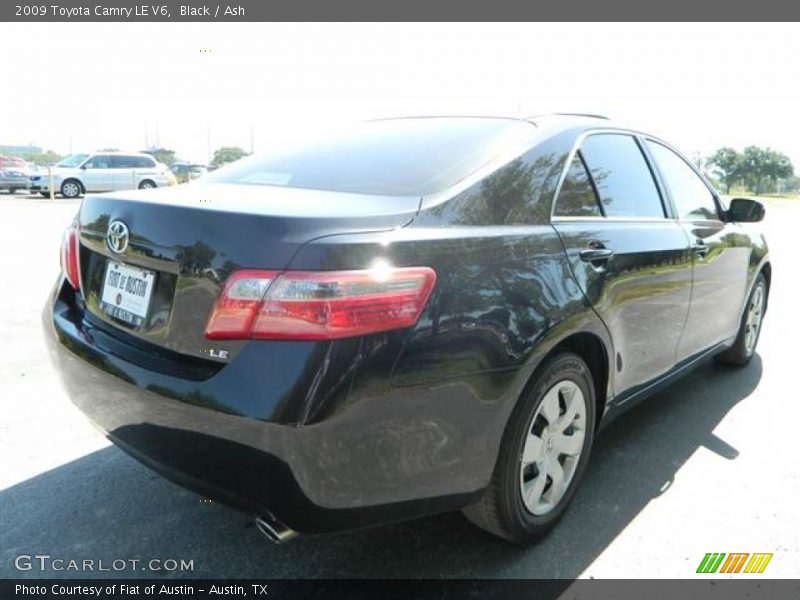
[
  {"x": 162, "y": 155},
  {"x": 754, "y": 167},
  {"x": 761, "y": 164},
  {"x": 778, "y": 166},
  {"x": 227, "y": 154},
  {"x": 42, "y": 158},
  {"x": 726, "y": 165}
]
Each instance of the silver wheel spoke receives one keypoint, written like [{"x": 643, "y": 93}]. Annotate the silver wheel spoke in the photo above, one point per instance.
[
  {"x": 558, "y": 485},
  {"x": 550, "y": 408},
  {"x": 573, "y": 399},
  {"x": 568, "y": 444},
  {"x": 534, "y": 447},
  {"x": 532, "y": 490}
]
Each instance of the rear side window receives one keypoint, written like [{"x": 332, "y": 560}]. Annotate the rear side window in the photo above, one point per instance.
[
  {"x": 132, "y": 162},
  {"x": 692, "y": 198},
  {"x": 577, "y": 197},
  {"x": 402, "y": 157},
  {"x": 621, "y": 176}
]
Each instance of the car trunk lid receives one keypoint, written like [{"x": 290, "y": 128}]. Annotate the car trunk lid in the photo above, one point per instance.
[{"x": 182, "y": 244}]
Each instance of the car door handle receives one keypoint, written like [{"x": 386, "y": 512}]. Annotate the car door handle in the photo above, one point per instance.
[
  {"x": 596, "y": 254},
  {"x": 700, "y": 248}
]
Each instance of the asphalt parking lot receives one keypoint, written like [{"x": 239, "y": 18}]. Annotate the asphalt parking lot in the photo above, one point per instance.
[{"x": 709, "y": 465}]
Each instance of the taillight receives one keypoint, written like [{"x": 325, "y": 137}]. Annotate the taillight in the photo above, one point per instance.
[
  {"x": 69, "y": 256},
  {"x": 238, "y": 304},
  {"x": 301, "y": 305}
]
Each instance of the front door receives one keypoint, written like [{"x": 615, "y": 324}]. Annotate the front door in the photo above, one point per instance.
[
  {"x": 98, "y": 174},
  {"x": 633, "y": 263},
  {"x": 720, "y": 263}
]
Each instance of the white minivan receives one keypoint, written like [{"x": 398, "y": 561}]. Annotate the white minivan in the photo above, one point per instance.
[{"x": 103, "y": 172}]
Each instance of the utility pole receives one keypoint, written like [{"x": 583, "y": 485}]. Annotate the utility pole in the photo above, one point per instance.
[
  {"x": 208, "y": 142},
  {"x": 252, "y": 139}
]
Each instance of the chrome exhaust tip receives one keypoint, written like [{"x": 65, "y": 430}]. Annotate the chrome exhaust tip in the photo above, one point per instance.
[{"x": 275, "y": 531}]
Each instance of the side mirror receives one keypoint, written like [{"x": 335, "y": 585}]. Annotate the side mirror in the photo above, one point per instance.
[
  {"x": 744, "y": 210},
  {"x": 83, "y": 167}
]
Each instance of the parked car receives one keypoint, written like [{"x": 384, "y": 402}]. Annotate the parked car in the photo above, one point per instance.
[
  {"x": 103, "y": 172},
  {"x": 417, "y": 316},
  {"x": 14, "y": 173},
  {"x": 185, "y": 172}
]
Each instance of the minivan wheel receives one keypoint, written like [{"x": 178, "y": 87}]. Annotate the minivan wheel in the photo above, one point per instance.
[
  {"x": 71, "y": 189},
  {"x": 744, "y": 347},
  {"x": 543, "y": 454},
  {"x": 147, "y": 185}
]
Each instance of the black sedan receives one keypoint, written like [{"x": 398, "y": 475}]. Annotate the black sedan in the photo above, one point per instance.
[{"x": 414, "y": 316}]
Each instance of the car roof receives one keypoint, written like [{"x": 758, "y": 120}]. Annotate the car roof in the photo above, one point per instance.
[
  {"x": 548, "y": 122},
  {"x": 118, "y": 153}
]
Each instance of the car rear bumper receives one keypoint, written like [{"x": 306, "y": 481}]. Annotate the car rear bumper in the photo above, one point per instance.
[{"x": 327, "y": 476}]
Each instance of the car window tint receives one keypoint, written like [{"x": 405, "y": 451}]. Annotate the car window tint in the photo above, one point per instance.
[
  {"x": 101, "y": 161},
  {"x": 621, "y": 176},
  {"x": 146, "y": 163},
  {"x": 691, "y": 196},
  {"x": 122, "y": 162},
  {"x": 404, "y": 157},
  {"x": 577, "y": 197}
]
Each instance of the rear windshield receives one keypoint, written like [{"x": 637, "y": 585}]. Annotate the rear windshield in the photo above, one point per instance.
[{"x": 399, "y": 157}]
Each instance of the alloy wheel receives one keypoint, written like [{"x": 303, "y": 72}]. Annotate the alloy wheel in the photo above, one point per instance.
[{"x": 70, "y": 190}]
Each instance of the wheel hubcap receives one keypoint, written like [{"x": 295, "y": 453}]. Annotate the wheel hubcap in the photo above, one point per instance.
[
  {"x": 752, "y": 323},
  {"x": 553, "y": 447},
  {"x": 70, "y": 190}
]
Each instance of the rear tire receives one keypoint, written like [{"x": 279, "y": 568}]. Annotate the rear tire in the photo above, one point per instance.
[
  {"x": 147, "y": 185},
  {"x": 744, "y": 347},
  {"x": 543, "y": 455}
]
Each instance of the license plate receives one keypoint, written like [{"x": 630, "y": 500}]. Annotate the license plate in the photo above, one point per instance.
[{"x": 126, "y": 292}]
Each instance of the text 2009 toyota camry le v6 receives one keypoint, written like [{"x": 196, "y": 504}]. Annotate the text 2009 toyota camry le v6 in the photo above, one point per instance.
[{"x": 415, "y": 316}]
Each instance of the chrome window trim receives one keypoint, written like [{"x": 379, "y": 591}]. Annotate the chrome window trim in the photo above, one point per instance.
[
  {"x": 636, "y": 135},
  {"x": 696, "y": 171},
  {"x": 557, "y": 219}
]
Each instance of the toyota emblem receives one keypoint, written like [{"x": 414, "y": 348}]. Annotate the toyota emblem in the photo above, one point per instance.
[{"x": 117, "y": 236}]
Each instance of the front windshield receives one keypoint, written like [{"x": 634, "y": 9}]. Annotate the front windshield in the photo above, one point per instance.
[{"x": 73, "y": 160}]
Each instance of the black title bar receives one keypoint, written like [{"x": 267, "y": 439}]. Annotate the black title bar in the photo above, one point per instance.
[
  {"x": 707, "y": 588},
  {"x": 397, "y": 10}
]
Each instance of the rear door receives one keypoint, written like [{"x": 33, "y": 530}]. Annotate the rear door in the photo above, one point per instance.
[
  {"x": 720, "y": 263},
  {"x": 126, "y": 172},
  {"x": 632, "y": 260}
]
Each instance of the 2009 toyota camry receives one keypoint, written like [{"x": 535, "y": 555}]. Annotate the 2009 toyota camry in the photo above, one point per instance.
[{"x": 414, "y": 316}]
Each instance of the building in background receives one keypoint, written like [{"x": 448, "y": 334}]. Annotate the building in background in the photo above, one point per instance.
[{"x": 20, "y": 150}]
